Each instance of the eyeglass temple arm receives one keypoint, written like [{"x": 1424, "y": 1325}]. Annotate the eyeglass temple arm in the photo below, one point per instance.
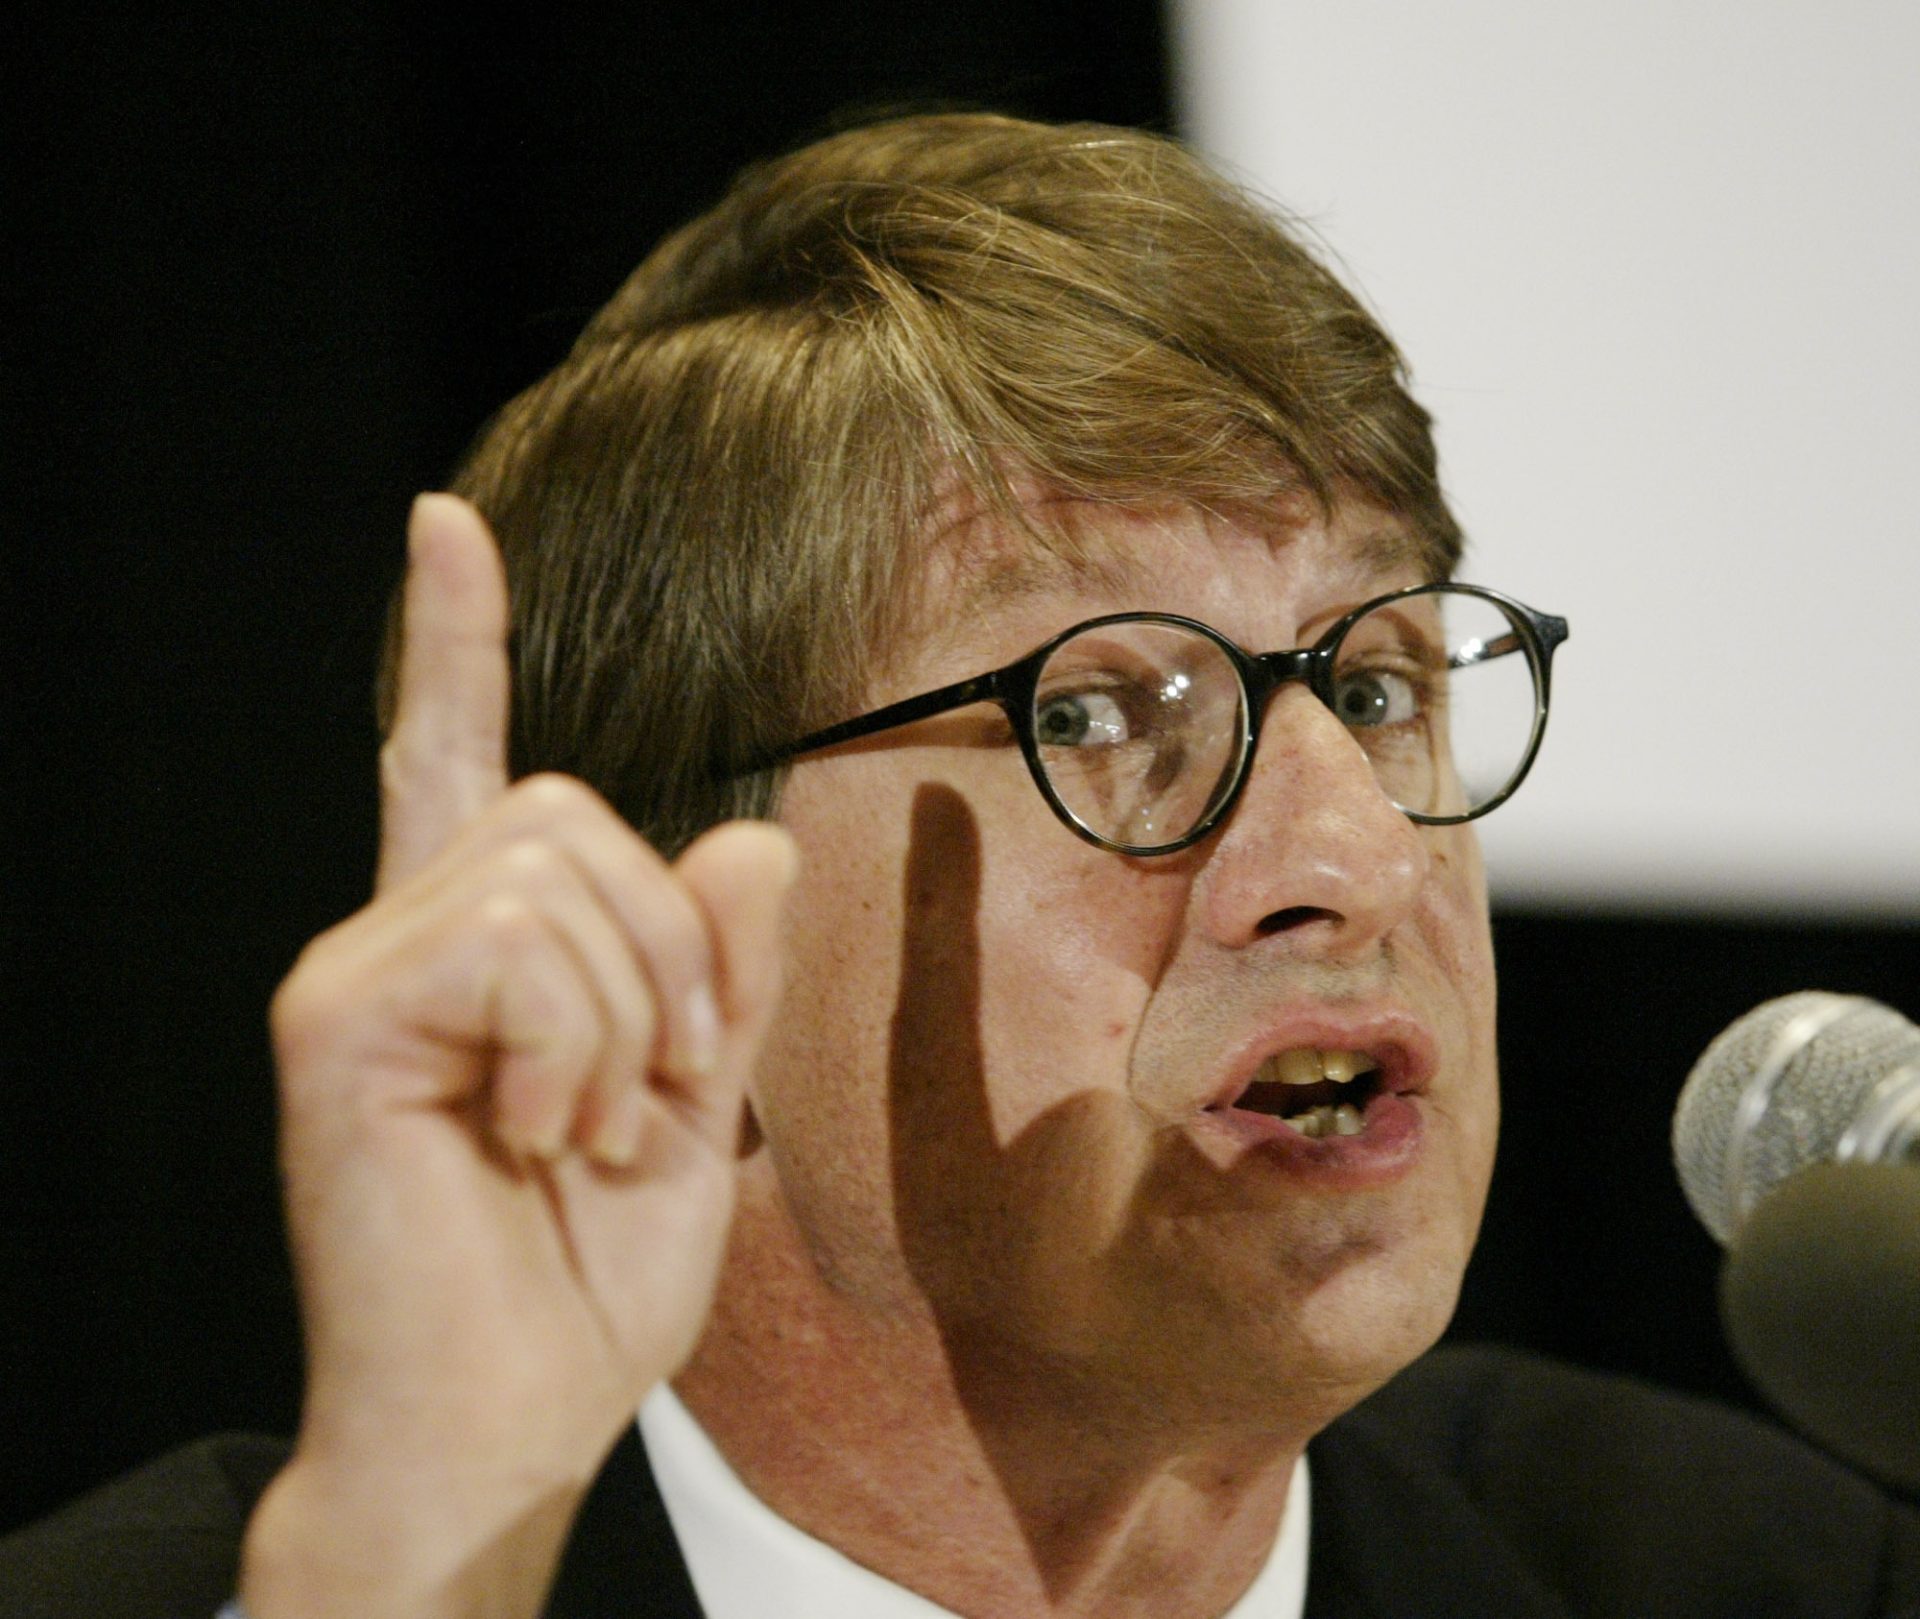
[
  {"x": 1550, "y": 630},
  {"x": 1466, "y": 655},
  {"x": 977, "y": 689}
]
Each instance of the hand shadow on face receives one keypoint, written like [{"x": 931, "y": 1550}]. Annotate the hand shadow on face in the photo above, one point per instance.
[{"x": 1030, "y": 1255}]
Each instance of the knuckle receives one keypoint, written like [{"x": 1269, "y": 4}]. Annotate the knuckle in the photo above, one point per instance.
[
  {"x": 311, "y": 1000},
  {"x": 552, "y": 795},
  {"x": 510, "y": 921},
  {"x": 392, "y": 763},
  {"x": 399, "y": 765},
  {"x": 295, "y": 1015},
  {"x": 532, "y": 860}
]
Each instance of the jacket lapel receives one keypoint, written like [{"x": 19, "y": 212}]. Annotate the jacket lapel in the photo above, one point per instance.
[
  {"x": 623, "y": 1561},
  {"x": 1392, "y": 1540}
]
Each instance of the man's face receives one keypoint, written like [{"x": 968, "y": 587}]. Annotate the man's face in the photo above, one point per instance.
[{"x": 1008, "y": 1082}]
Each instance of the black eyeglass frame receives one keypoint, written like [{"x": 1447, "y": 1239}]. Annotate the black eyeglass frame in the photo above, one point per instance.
[{"x": 1261, "y": 674}]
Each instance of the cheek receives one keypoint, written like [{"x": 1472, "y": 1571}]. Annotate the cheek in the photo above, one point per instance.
[
  {"x": 1070, "y": 957},
  {"x": 1460, "y": 939},
  {"x": 1455, "y": 924}
]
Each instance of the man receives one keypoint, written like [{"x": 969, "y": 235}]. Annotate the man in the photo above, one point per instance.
[{"x": 1046, "y": 543}]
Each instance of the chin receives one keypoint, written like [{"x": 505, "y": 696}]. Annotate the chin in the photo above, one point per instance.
[
  {"x": 1370, "y": 1321},
  {"x": 1248, "y": 1350},
  {"x": 1353, "y": 1324}
]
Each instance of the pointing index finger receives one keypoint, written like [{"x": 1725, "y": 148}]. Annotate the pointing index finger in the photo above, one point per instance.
[{"x": 445, "y": 759}]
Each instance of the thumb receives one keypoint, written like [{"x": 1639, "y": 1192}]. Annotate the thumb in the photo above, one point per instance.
[{"x": 740, "y": 875}]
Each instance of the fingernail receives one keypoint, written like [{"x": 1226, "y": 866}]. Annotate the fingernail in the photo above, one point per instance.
[
  {"x": 616, "y": 1140},
  {"x": 790, "y": 868},
  {"x": 703, "y": 1031}
]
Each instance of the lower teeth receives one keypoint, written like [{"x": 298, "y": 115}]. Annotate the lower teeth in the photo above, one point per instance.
[{"x": 1319, "y": 1122}]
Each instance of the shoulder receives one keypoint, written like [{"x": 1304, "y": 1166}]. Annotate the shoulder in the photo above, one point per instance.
[
  {"x": 1637, "y": 1499},
  {"x": 160, "y": 1542}
]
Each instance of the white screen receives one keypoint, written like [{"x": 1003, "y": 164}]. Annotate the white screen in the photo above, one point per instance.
[{"x": 1656, "y": 269}]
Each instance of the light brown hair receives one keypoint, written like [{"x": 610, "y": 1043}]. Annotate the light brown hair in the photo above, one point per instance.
[{"x": 714, "y": 510}]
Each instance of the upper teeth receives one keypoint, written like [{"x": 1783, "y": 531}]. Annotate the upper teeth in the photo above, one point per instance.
[{"x": 1309, "y": 1065}]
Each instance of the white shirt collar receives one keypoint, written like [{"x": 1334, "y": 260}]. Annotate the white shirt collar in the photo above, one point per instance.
[{"x": 746, "y": 1561}]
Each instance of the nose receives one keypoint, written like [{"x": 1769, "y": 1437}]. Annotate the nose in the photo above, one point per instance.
[{"x": 1313, "y": 846}]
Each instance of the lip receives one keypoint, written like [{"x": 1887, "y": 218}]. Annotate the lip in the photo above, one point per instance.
[{"x": 1389, "y": 1143}]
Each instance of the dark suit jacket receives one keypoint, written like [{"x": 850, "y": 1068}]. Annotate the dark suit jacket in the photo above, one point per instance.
[{"x": 1479, "y": 1485}]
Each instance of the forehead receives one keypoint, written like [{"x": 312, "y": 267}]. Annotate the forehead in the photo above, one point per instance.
[{"x": 986, "y": 567}]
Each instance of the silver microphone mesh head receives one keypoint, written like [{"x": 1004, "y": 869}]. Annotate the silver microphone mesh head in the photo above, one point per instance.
[{"x": 1776, "y": 1092}]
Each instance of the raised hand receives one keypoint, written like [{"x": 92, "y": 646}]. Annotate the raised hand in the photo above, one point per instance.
[{"x": 510, "y": 1093}]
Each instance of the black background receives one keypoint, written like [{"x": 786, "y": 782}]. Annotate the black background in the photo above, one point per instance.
[{"x": 271, "y": 269}]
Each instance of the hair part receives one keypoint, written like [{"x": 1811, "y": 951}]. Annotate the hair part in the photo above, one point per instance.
[{"x": 714, "y": 511}]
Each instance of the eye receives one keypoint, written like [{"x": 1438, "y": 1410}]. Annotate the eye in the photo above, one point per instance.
[
  {"x": 1368, "y": 698},
  {"x": 1080, "y": 719}
]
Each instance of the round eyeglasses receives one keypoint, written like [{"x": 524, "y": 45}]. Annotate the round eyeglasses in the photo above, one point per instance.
[{"x": 1140, "y": 728}]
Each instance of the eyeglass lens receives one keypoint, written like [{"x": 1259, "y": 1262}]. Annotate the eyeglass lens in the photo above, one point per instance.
[{"x": 1140, "y": 725}]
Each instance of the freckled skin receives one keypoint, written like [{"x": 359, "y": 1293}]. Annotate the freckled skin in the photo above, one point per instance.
[
  {"x": 1094, "y": 1193},
  {"x": 988, "y": 1260}
]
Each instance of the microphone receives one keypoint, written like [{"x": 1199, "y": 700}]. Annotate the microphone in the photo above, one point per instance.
[{"x": 1797, "y": 1139}]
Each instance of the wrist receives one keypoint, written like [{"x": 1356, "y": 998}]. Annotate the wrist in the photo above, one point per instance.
[{"x": 320, "y": 1546}]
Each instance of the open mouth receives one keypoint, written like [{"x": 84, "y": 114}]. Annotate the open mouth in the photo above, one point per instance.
[{"x": 1314, "y": 1091}]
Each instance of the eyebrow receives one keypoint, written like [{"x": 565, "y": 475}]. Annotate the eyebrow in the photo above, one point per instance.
[{"x": 1036, "y": 571}]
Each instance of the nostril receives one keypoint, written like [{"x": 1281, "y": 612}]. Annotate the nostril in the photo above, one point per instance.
[{"x": 1292, "y": 917}]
